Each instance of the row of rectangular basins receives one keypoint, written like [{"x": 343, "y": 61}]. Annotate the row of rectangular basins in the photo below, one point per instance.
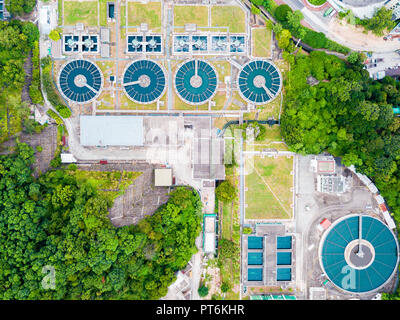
[{"x": 283, "y": 258}]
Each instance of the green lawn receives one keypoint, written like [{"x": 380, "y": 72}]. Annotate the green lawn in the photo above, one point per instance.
[
  {"x": 226, "y": 220},
  {"x": 179, "y": 104},
  {"x": 127, "y": 104},
  {"x": 273, "y": 139},
  {"x": 84, "y": 12},
  {"x": 317, "y": 2},
  {"x": 106, "y": 101},
  {"x": 229, "y": 16},
  {"x": 191, "y": 14},
  {"x": 223, "y": 69},
  {"x": 219, "y": 99},
  {"x": 60, "y": 16},
  {"x": 261, "y": 42},
  {"x": 268, "y": 184},
  {"x": 236, "y": 97},
  {"x": 149, "y": 13},
  {"x": 103, "y": 12}
]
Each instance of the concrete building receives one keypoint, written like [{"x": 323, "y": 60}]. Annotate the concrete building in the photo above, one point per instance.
[
  {"x": 67, "y": 158},
  {"x": 209, "y": 233},
  {"x": 44, "y": 20},
  {"x": 111, "y": 130},
  {"x": 163, "y": 177}
]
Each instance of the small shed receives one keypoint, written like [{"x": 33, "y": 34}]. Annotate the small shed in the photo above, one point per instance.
[
  {"x": 324, "y": 224},
  {"x": 163, "y": 177},
  {"x": 67, "y": 158}
]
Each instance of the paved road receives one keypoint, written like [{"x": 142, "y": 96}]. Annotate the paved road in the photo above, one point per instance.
[
  {"x": 196, "y": 270},
  {"x": 242, "y": 200}
]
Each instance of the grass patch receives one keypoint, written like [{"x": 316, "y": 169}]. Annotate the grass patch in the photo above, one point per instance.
[
  {"x": 272, "y": 140},
  {"x": 106, "y": 101},
  {"x": 232, "y": 17},
  {"x": 60, "y": 12},
  {"x": 11, "y": 115},
  {"x": 84, "y": 12},
  {"x": 106, "y": 67},
  {"x": 227, "y": 220},
  {"x": 317, "y": 2},
  {"x": 262, "y": 42},
  {"x": 230, "y": 265},
  {"x": 149, "y": 13},
  {"x": 110, "y": 183},
  {"x": 219, "y": 100},
  {"x": 236, "y": 101},
  {"x": 268, "y": 184},
  {"x": 223, "y": 69},
  {"x": 190, "y": 14},
  {"x": 127, "y": 104},
  {"x": 181, "y": 105},
  {"x": 103, "y": 13}
]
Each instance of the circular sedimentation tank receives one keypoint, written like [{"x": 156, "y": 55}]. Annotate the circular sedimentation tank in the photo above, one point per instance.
[
  {"x": 359, "y": 254},
  {"x": 144, "y": 81},
  {"x": 80, "y": 81},
  {"x": 196, "y": 81},
  {"x": 259, "y": 82}
]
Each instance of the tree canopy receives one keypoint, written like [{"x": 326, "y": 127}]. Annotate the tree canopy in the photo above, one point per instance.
[
  {"x": 225, "y": 191},
  {"x": 17, "y": 39},
  {"x": 56, "y": 222},
  {"x": 348, "y": 114}
]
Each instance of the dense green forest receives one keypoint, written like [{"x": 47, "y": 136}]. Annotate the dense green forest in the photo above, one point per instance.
[
  {"x": 17, "y": 40},
  {"x": 20, "y": 7},
  {"x": 56, "y": 221},
  {"x": 349, "y": 115}
]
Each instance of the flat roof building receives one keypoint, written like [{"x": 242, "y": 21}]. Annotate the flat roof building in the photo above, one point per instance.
[
  {"x": 323, "y": 164},
  {"x": 44, "y": 20},
  {"x": 209, "y": 241},
  {"x": 111, "y": 130},
  {"x": 67, "y": 158},
  {"x": 331, "y": 184},
  {"x": 105, "y": 35},
  {"x": 163, "y": 177},
  {"x": 105, "y": 50}
]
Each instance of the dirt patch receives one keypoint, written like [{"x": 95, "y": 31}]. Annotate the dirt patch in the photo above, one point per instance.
[
  {"x": 214, "y": 284},
  {"x": 47, "y": 139},
  {"x": 141, "y": 199},
  {"x": 355, "y": 38}
]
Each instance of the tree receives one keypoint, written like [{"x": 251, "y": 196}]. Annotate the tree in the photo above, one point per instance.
[
  {"x": 281, "y": 12},
  {"x": 225, "y": 191},
  {"x": 355, "y": 57},
  {"x": 380, "y": 21},
  {"x": 54, "y": 35},
  {"x": 19, "y": 7},
  {"x": 225, "y": 287},
  {"x": 255, "y": 10},
  {"x": 277, "y": 28},
  {"x": 203, "y": 291},
  {"x": 293, "y": 19},
  {"x": 284, "y": 39}
]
